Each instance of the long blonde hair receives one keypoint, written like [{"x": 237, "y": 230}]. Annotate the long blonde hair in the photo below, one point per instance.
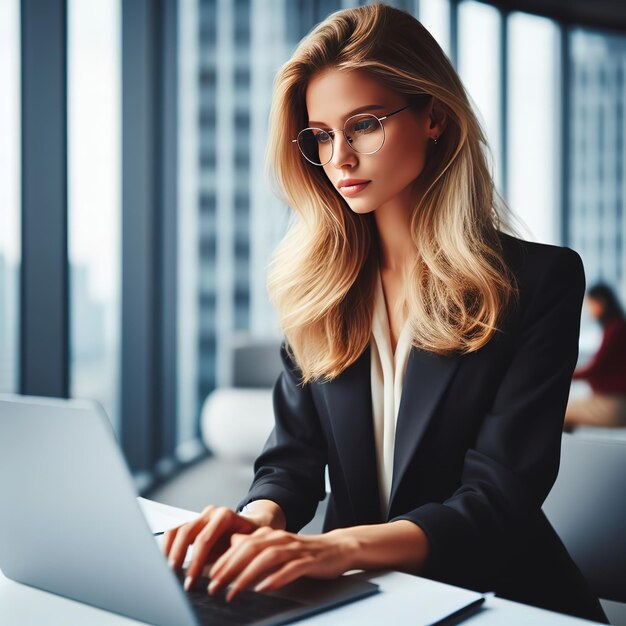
[{"x": 322, "y": 275}]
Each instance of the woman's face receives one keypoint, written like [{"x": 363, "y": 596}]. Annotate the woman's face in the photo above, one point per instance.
[
  {"x": 596, "y": 307},
  {"x": 387, "y": 175}
]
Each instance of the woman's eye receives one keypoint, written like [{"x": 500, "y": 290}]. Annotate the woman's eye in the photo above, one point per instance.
[
  {"x": 363, "y": 126},
  {"x": 322, "y": 137}
]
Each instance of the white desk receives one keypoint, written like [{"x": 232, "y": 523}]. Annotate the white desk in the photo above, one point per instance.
[{"x": 398, "y": 603}]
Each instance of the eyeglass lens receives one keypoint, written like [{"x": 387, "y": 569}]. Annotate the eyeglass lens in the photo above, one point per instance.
[{"x": 364, "y": 133}]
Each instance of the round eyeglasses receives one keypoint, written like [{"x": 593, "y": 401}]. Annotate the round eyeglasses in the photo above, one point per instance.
[{"x": 363, "y": 132}]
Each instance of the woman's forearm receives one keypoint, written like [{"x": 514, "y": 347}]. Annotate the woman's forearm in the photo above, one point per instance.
[{"x": 400, "y": 545}]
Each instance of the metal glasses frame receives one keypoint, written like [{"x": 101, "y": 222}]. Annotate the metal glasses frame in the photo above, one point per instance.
[{"x": 343, "y": 131}]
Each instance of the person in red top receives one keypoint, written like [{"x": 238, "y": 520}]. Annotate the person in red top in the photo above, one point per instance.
[{"x": 606, "y": 372}]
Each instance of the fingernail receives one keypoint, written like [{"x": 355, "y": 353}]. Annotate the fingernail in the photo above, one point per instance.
[
  {"x": 188, "y": 582},
  {"x": 172, "y": 562},
  {"x": 261, "y": 586},
  {"x": 231, "y": 593},
  {"x": 213, "y": 586}
]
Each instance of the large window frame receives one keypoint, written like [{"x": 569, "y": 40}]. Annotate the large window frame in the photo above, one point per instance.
[
  {"x": 44, "y": 339},
  {"x": 149, "y": 238}
]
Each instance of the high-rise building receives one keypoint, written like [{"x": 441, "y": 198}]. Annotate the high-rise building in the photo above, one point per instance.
[{"x": 597, "y": 219}]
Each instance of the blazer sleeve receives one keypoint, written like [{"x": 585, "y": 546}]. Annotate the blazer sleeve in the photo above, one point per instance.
[
  {"x": 290, "y": 469},
  {"x": 510, "y": 470}
]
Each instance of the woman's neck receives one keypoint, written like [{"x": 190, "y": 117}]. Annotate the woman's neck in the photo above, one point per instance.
[{"x": 396, "y": 246}]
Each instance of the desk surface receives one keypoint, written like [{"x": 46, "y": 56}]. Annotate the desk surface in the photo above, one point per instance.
[{"x": 398, "y": 603}]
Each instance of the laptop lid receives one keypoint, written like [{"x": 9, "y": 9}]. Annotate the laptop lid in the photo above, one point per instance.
[{"x": 70, "y": 523}]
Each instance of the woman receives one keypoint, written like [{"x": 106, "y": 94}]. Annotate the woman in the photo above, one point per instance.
[
  {"x": 606, "y": 372},
  {"x": 427, "y": 355}
]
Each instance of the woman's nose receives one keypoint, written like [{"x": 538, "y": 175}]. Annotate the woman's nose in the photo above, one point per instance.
[{"x": 343, "y": 154}]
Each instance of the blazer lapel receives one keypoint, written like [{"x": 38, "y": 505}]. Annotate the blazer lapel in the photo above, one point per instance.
[
  {"x": 349, "y": 404},
  {"x": 427, "y": 376}
]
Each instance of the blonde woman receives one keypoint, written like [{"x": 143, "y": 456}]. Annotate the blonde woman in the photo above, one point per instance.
[{"x": 427, "y": 355}]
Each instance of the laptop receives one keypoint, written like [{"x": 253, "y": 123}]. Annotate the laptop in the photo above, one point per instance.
[{"x": 71, "y": 525}]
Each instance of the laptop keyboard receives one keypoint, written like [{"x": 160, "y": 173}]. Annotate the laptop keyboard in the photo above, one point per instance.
[{"x": 247, "y": 608}]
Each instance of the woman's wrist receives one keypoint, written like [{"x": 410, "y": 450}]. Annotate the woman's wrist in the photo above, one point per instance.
[
  {"x": 400, "y": 545},
  {"x": 265, "y": 513}
]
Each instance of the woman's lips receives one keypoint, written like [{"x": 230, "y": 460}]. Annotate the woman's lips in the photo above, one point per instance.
[{"x": 352, "y": 190}]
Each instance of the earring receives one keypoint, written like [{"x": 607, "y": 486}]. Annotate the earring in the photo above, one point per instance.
[{"x": 434, "y": 140}]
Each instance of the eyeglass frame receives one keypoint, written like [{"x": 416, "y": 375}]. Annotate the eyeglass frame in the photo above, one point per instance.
[{"x": 342, "y": 130}]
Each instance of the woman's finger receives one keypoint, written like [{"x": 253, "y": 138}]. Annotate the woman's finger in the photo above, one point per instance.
[
  {"x": 269, "y": 560},
  {"x": 286, "y": 574},
  {"x": 222, "y": 521},
  {"x": 243, "y": 547},
  {"x": 237, "y": 538},
  {"x": 168, "y": 540},
  {"x": 185, "y": 536}
]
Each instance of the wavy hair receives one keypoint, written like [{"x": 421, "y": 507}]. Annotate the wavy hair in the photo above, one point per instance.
[{"x": 322, "y": 275}]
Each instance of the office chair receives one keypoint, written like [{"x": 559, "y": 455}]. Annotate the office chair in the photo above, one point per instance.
[
  {"x": 255, "y": 361},
  {"x": 587, "y": 508}
]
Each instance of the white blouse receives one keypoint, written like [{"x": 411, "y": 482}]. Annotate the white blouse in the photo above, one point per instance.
[{"x": 387, "y": 377}]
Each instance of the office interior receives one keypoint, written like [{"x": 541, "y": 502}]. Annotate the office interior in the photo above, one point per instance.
[{"x": 137, "y": 219}]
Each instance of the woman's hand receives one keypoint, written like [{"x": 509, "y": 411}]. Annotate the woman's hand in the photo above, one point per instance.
[
  {"x": 271, "y": 558},
  {"x": 210, "y": 534}
]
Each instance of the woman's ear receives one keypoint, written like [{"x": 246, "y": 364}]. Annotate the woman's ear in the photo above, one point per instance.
[{"x": 438, "y": 118}]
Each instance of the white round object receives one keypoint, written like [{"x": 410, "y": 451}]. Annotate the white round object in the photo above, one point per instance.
[{"x": 236, "y": 422}]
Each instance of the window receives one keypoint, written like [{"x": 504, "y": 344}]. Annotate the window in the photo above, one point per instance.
[
  {"x": 94, "y": 149},
  {"x": 479, "y": 68},
  {"x": 597, "y": 219},
  {"x": 229, "y": 219},
  {"x": 597, "y": 223},
  {"x": 10, "y": 190},
  {"x": 195, "y": 208},
  {"x": 435, "y": 16},
  {"x": 534, "y": 125}
]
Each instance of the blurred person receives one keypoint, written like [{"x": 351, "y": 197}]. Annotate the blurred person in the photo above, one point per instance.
[
  {"x": 427, "y": 355},
  {"x": 606, "y": 372}
]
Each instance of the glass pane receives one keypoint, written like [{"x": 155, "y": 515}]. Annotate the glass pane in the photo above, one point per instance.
[
  {"x": 435, "y": 16},
  {"x": 597, "y": 222},
  {"x": 94, "y": 199},
  {"x": 597, "y": 147},
  {"x": 533, "y": 125},
  {"x": 229, "y": 220},
  {"x": 479, "y": 68},
  {"x": 190, "y": 158},
  {"x": 10, "y": 190}
]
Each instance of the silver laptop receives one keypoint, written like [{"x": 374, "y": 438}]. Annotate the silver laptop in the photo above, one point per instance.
[{"x": 71, "y": 525}]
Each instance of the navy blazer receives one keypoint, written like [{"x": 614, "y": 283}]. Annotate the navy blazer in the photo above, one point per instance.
[{"x": 477, "y": 444}]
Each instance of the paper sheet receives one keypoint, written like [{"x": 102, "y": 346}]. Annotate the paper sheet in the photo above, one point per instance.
[{"x": 161, "y": 517}]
